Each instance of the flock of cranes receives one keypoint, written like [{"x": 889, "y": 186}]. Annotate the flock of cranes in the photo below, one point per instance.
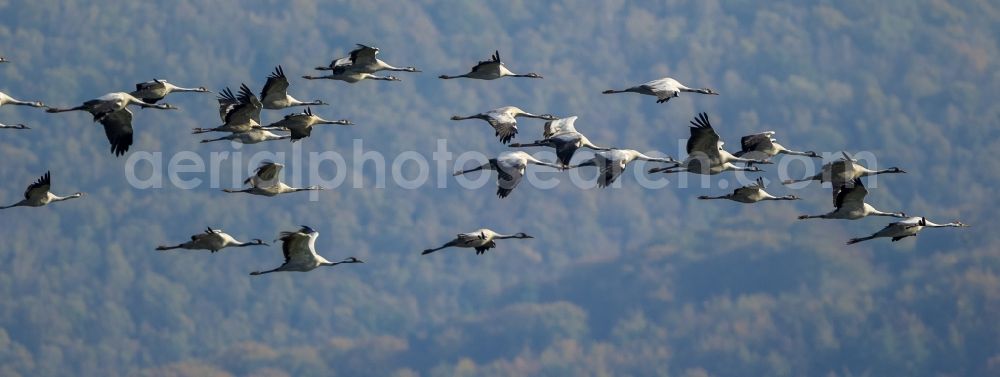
[{"x": 241, "y": 117}]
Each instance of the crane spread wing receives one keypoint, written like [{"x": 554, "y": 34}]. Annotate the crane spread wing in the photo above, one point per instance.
[
  {"x": 295, "y": 246},
  {"x": 363, "y": 54},
  {"x": 902, "y": 225},
  {"x": 118, "y": 129},
  {"x": 503, "y": 123},
  {"x": 207, "y": 234},
  {"x": 146, "y": 85},
  {"x": 482, "y": 249},
  {"x": 493, "y": 63},
  {"x": 298, "y": 124},
  {"x": 299, "y": 132},
  {"x": 566, "y": 145},
  {"x": 266, "y": 175},
  {"x": 269, "y": 170},
  {"x": 854, "y": 191},
  {"x": 227, "y": 101},
  {"x": 276, "y": 86},
  {"x": 703, "y": 137},
  {"x": 509, "y": 174},
  {"x": 39, "y": 188},
  {"x": 466, "y": 238},
  {"x": 757, "y": 142},
  {"x": 340, "y": 66},
  {"x": 150, "y": 91},
  {"x": 751, "y": 189},
  {"x": 610, "y": 171},
  {"x": 558, "y": 126},
  {"x": 755, "y": 146},
  {"x": 505, "y": 131},
  {"x": 246, "y": 110},
  {"x": 839, "y": 168}
]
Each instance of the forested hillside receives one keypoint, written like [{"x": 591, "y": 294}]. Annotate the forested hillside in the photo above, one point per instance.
[{"x": 622, "y": 281}]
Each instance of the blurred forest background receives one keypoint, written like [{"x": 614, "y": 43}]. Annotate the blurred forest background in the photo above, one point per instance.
[{"x": 624, "y": 281}]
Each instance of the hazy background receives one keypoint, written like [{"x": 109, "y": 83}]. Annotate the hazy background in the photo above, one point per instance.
[{"x": 619, "y": 282}]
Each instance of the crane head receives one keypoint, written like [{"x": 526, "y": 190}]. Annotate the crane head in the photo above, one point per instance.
[{"x": 351, "y": 260}]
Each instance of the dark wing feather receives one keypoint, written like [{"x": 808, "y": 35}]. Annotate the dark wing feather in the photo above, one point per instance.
[
  {"x": 703, "y": 136},
  {"x": 43, "y": 183},
  {"x": 147, "y": 91},
  {"x": 91, "y": 107},
  {"x": 246, "y": 95},
  {"x": 226, "y": 103},
  {"x": 751, "y": 188},
  {"x": 506, "y": 131},
  {"x": 365, "y": 54},
  {"x": 118, "y": 129},
  {"x": 297, "y": 244},
  {"x": 501, "y": 191},
  {"x": 754, "y": 142},
  {"x": 505, "y": 186},
  {"x": 495, "y": 59},
  {"x": 355, "y": 52},
  {"x": 247, "y": 109},
  {"x": 300, "y": 133},
  {"x": 609, "y": 173},
  {"x": 482, "y": 249},
  {"x": 266, "y": 172},
  {"x": 842, "y": 191},
  {"x": 566, "y": 146},
  {"x": 500, "y": 172},
  {"x": 340, "y": 62},
  {"x": 276, "y": 85},
  {"x": 463, "y": 238},
  {"x": 286, "y": 244}
]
